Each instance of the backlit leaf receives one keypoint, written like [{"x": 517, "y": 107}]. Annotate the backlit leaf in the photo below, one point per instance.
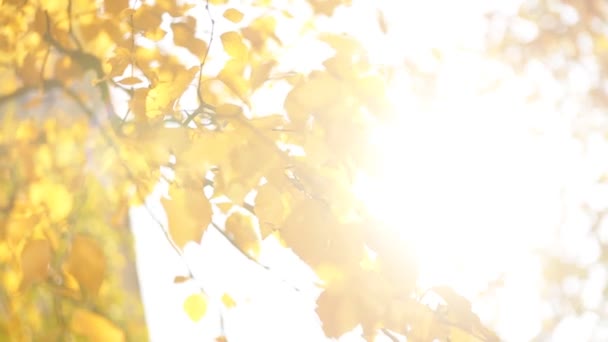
[
  {"x": 228, "y": 301},
  {"x": 35, "y": 258},
  {"x": 87, "y": 263},
  {"x": 130, "y": 80},
  {"x": 195, "y": 306},
  {"x": 54, "y": 197},
  {"x": 188, "y": 213},
  {"x": 94, "y": 327},
  {"x": 241, "y": 229},
  {"x": 270, "y": 208},
  {"x": 234, "y": 45},
  {"x": 233, "y": 15}
]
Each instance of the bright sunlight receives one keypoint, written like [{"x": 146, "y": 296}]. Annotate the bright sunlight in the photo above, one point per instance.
[{"x": 469, "y": 175}]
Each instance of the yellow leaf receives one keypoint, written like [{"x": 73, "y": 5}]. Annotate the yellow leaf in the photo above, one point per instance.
[
  {"x": 261, "y": 72},
  {"x": 195, "y": 306},
  {"x": 188, "y": 213},
  {"x": 234, "y": 45},
  {"x": 326, "y": 7},
  {"x": 232, "y": 75},
  {"x": 147, "y": 18},
  {"x": 160, "y": 98},
  {"x": 130, "y": 80},
  {"x": 270, "y": 208},
  {"x": 241, "y": 229},
  {"x": 35, "y": 258},
  {"x": 115, "y": 7},
  {"x": 183, "y": 35},
  {"x": 229, "y": 109},
  {"x": 228, "y": 301},
  {"x": 94, "y": 327},
  {"x": 338, "y": 313},
  {"x": 233, "y": 15},
  {"x": 56, "y": 199},
  {"x": 87, "y": 263},
  {"x": 342, "y": 43},
  {"x": 260, "y": 30}
]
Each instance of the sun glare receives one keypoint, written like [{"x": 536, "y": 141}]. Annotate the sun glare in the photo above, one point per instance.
[{"x": 468, "y": 178}]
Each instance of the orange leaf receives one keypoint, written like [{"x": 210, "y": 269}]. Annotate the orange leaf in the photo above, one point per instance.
[{"x": 188, "y": 213}]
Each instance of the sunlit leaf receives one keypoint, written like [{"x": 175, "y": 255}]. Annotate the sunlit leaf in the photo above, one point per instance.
[
  {"x": 183, "y": 35},
  {"x": 35, "y": 259},
  {"x": 241, "y": 228},
  {"x": 228, "y": 301},
  {"x": 260, "y": 30},
  {"x": 130, "y": 80},
  {"x": 270, "y": 208},
  {"x": 54, "y": 197},
  {"x": 234, "y": 45},
  {"x": 87, "y": 263},
  {"x": 94, "y": 327},
  {"x": 195, "y": 306},
  {"x": 233, "y": 15},
  {"x": 338, "y": 314},
  {"x": 189, "y": 214}
]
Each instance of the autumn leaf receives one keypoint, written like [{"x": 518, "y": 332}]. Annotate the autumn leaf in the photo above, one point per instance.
[
  {"x": 233, "y": 15},
  {"x": 188, "y": 213},
  {"x": 94, "y": 327},
  {"x": 242, "y": 230},
  {"x": 270, "y": 208},
  {"x": 181, "y": 279},
  {"x": 183, "y": 35},
  {"x": 55, "y": 198},
  {"x": 195, "y": 306},
  {"x": 228, "y": 301},
  {"x": 234, "y": 45},
  {"x": 338, "y": 313},
  {"x": 87, "y": 263},
  {"x": 35, "y": 258}
]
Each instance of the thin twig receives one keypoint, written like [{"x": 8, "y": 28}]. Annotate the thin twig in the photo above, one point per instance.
[
  {"x": 201, "y": 102},
  {"x": 390, "y": 335},
  {"x": 247, "y": 255}
]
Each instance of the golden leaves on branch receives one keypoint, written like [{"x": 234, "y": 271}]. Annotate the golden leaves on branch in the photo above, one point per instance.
[{"x": 189, "y": 214}]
